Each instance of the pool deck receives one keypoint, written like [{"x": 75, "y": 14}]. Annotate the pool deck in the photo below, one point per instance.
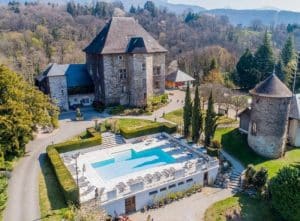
[{"x": 186, "y": 162}]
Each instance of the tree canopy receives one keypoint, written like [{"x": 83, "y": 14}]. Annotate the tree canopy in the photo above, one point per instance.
[
  {"x": 22, "y": 109},
  {"x": 285, "y": 194}
]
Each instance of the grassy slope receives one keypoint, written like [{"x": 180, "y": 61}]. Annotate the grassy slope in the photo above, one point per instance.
[
  {"x": 236, "y": 144},
  {"x": 250, "y": 209},
  {"x": 52, "y": 203}
]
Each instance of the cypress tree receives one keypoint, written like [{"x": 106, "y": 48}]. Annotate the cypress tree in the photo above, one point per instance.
[
  {"x": 264, "y": 58},
  {"x": 187, "y": 112},
  {"x": 196, "y": 117},
  {"x": 210, "y": 122}
]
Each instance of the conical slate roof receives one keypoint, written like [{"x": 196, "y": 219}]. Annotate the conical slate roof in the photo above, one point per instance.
[
  {"x": 272, "y": 87},
  {"x": 121, "y": 35}
]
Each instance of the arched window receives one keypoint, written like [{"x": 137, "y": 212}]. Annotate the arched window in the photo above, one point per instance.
[{"x": 253, "y": 129}]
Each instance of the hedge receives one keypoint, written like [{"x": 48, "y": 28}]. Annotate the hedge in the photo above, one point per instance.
[
  {"x": 148, "y": 129},
  {"x": 67, "y": 146},
  {"x": 66, "y": 182}
]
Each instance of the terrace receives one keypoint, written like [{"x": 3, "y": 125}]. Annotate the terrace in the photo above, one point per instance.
[{"x": 140, "y": 165}]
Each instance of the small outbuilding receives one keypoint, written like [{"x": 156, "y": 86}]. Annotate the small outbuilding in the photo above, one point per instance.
[
  {"x": 294, "y": 122},
  {"x": 177, "y": 79}
]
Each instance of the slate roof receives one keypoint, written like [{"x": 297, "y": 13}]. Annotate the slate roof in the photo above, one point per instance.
[
  {"x": 76, "y": 74},
  {"x": 245, "y": 112},
  {"x": 295, "y": 107},
  {"x": 179, "y": 76},
  {"x": 272, "y": 87},
  {"x": 117, "y": 35}
]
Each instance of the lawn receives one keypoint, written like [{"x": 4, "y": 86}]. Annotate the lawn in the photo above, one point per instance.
[
  {"x": 236, "y": 144},
  {"x": 52, "y": 204},
  {"x": 240, "y": 207},
  {"x": 177, "y": 117},
  {"x": 135, "y": 124}
]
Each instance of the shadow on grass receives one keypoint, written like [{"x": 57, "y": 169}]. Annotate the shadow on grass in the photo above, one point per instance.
[
  {"x": 53, "y": 191},
  {"x": 236, "y": 144},
  {"x": 256, "y": 209}
]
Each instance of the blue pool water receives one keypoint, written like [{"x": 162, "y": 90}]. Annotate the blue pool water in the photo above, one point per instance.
[{"x": 130, "y": 161}]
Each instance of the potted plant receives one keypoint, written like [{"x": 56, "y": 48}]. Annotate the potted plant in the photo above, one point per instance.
[{"x": 79, "y": 115}]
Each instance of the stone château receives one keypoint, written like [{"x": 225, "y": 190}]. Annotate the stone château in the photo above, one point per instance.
[{"x": 124, "y": 65}]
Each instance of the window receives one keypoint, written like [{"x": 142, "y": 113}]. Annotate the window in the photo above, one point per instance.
[
  {"x": 143, "y": 66},
  {"x": 156, "y": 85},
  {"x": 120, "y": 57},
  {"x": 123, "y": 89},
  {"x": 156, "y": 70},
  {"x": 145, "y": 95},
  {"x": 172, "y": 186},
  {"x": 163, "y": 189},
  {"x": 180, "y": 183},
  {"x": 62, "y": 92},
  {"x": 123, "y": 73},
  {"x": 153, "y": 192},
  {"x": 85, "y": 100},
  {"x": 253, "y": 129},
  {"x": 189, "y": 180}
]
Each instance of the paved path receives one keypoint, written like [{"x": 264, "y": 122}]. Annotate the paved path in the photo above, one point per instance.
[
  {"x": 188, "y": 209},
  {"x": 23, "y": 193}
]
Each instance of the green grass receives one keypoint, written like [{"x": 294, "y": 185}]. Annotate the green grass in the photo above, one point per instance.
[
  {"x": 135, "y": 124},
  {"x": 52, "y": 203},
  {"x": 248, "y": 209},
  {"x": 236, "y": 144},
  {"x": 177, "y": 117},
  {"x": 3, "y": 194}
]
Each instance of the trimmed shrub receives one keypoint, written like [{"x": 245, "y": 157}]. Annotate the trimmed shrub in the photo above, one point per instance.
[
  {"x": 64, "y": 177},
  {"x": 66, "y": 182},
  {"x": 147, "y": 129},
  {"x": 67, "y": 146}
]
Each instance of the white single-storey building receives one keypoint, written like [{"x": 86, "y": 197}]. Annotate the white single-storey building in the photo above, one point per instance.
[{"x": 133, "y": 175}]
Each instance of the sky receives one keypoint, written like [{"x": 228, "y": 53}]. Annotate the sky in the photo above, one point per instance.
[{"x": 291, "y": 5}]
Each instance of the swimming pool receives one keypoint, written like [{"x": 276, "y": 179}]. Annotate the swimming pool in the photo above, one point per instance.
[{"x": 130, "y": 161}]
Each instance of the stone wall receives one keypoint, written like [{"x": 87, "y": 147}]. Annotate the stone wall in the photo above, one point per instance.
[
  {"x": 267, "y": 131},
  {"x": 112, "y": 87},
  {"x": 59, "y": 91},
  {"x": 294, "y": 132}
]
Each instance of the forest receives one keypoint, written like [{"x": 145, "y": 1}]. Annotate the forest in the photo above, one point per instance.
[{"x": 33, "y": 35}]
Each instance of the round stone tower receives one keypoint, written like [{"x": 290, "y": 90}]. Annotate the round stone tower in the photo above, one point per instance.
[{"x": 269, "y": 117}]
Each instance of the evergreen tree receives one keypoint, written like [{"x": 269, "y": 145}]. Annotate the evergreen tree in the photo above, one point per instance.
[
  {"x": 196, "y": 117},
  {"x": 264, "y": 58},
  {"x": 187, "y": 112},
  {"x": 288, "y": 63},
  {"x": 288, "y": 51},
  {"x": 248, "y": 76},
  {"x": 150, "y": 6},
  {"x": 210, "y": 122},
  {"x": 132, "y": 10},
  {"x": 279, "y": 70}
]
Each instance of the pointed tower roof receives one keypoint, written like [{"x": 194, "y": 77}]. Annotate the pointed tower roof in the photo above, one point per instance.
[{"x": 272, "y": 87}]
